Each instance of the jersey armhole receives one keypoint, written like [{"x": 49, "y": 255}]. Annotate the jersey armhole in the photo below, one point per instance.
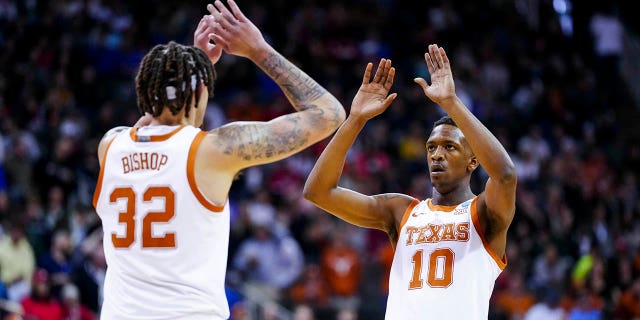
[
  {"x": 98, "y": 189},
  {"x": 406, "y": 214},
  {"x": 502, "y": 263},
  {"x": 191, "y": 160}
]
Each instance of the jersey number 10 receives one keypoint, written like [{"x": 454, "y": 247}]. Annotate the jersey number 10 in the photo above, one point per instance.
[
  {"x": 440, "y": 272},
  {"x": 168, "y": 240}
]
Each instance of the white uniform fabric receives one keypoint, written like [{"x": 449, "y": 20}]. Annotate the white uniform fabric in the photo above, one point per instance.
[
  {"x": 442, "y": 267},
  {"x": 160, "y": 265}
]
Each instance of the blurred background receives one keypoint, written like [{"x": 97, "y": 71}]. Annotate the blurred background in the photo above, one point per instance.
[{"x": 555, "y": 80}]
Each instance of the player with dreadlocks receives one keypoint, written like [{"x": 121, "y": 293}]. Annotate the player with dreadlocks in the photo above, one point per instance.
[
  {"x": 167, "y": 68},
  {"x": 162, "y": 192}
]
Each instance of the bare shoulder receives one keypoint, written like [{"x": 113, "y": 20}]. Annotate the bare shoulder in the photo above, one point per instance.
[{"x": 107, "y": 139}]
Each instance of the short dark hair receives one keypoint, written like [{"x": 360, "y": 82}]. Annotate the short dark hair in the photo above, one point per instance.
[
  {"x": 169, "y": 75},
  {"x": 445, "y": 120}
]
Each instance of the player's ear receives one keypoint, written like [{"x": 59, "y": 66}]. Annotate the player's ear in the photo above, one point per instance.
[{"x": 473, "y": 164}]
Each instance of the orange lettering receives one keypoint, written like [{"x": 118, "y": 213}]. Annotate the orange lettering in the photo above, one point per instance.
[
  {"x": 144, "y": 161},
  {"x": 435, "y": 233},
  {"x": 411, "y": 231},
  {"x": 422, "y": 237},
  {"x": 441, "y": 277},
  {"x": 416, "y": 277},
  {"x": 125, "y": 165},
  {"x": 168, "y": 240},
  {"x": 163, "y": 160},
  {"x": 127, "y": 218},
  {"x": 135, "y": 162},
  {"x": 462, "y": 232},
  {"x": 447, "y": 234},
  {"x": 154, "y": 161}
]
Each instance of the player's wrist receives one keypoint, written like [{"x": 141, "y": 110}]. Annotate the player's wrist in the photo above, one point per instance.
[
  {"x": 449, "y": 102},
  {"x": 357, "y": 118},
  {"x": 260, "y": 51}
]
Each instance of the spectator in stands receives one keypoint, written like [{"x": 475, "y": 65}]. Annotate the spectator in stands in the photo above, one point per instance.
[
  {"x": 72, "y": 309},
  {"x": 41, "y": 304},
  {"x": 548, "y": 307},
  {"x": 341, "y": 266},
  {"x": 311, "y": 288},
  {"x": 56, "y": 261},
  {"x": 265, "y": 254},
  {"x": 17, "y": 262},
  {"x": 516, "y": 300},
  {"x": 628, "y": 307}
]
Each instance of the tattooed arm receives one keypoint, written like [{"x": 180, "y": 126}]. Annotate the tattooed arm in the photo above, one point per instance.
[
  {"x": 384, "y": 211},
  {"x": 238, "y": 145},
  {"x": 252, "y": 143}
]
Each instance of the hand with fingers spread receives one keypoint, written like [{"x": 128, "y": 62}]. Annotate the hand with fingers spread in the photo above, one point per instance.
[
  {"x": 233, "y": 31},
  {"x": 373, "y": 96},
  {"x": 442, "y": 88},
  {"x": 201, "y": 39}
]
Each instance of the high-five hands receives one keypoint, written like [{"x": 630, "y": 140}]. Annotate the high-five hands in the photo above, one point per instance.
[
  {"x": 442, "y": 88},
  {"x": 201, "y": 40},
  {"x": 373, "y": 96},
  {"x": 231, "y": 30}
]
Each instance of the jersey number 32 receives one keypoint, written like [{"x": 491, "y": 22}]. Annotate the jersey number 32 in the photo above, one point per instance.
[{"x": 127, "y": 217}]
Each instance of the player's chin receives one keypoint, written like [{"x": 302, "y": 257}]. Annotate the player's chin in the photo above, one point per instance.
[{"x": 437, "y": 175}]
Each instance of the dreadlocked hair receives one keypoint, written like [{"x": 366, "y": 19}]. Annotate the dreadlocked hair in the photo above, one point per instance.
[{"x": 168, "y": 77}]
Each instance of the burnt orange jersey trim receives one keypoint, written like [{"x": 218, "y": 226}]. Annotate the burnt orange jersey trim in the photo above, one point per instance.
[
  {"x": 191, "y": 160},
  {"x": 96, "y": 193},
  {"x": 435, "y": 207},
  {"x": 158, "y": 138},
  {"x": 502, "y": 263},
  {"x": 406, "y": 214}
]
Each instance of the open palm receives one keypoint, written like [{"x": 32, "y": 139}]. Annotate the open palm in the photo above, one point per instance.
[
  {"x": 373, "y": 96},
  {"x": 442, "y": 87}
]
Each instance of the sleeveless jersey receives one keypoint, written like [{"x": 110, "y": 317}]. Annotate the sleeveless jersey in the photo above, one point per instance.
[
  {"x": 165, "y": 244},
  {"x": 442, "y": 267}
]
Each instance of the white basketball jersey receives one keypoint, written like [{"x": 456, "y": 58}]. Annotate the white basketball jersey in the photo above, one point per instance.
[
  {"x": 165, "y": 243},
  {"x": 442, "y": 268}
]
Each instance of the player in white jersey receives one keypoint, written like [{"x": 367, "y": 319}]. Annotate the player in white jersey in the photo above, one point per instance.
[
  {"x": 163, "y": 185},
  {"x": 448, "y": 249}
]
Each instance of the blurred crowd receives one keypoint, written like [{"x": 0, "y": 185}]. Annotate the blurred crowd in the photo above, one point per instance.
[{"x": 551, "y": 91}]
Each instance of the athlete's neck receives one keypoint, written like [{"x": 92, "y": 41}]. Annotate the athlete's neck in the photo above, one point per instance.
[
  {"x": 168, "y": 119},
  {"x": 453, "y": 197},
  {"x": 165, "y": 122}
]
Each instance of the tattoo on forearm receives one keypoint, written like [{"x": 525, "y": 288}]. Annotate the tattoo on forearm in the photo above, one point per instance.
[
  {"x": 318, "y": 119},
  {"x": 251, "y": 141},
  {"x": 295, "y": 83}
]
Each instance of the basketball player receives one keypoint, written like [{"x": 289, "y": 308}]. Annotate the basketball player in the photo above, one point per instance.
[
  {"x": 448, "y": 249},
  {"x": 162, "y": 193}
]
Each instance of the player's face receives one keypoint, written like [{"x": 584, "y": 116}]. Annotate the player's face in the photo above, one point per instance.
[{"x": 449, "y": 156}]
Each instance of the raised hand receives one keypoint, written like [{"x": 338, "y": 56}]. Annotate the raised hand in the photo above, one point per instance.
[
  {"x": 373, "y": 96},
  {"x": 201, "y": 39},
  {"x": 233, "y": 31},
  {"x": 442, "y": 87}
]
